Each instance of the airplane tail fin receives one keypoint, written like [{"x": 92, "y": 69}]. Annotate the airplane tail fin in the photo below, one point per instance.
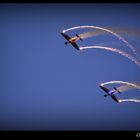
[
  {"x": 117, "y": 90},
  {"x": 79, "y": 37}
]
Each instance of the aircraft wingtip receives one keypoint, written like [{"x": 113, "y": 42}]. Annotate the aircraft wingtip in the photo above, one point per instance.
[
  {"x": 101, "y": 84},
  {"x": 63, "y": 31}
]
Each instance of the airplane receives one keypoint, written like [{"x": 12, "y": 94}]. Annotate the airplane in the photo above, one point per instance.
[
  {"x": 72, "y": 40},
  {"x": 111, "y": 93}
]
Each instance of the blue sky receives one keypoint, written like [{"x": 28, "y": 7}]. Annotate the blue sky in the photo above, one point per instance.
[{"x": 47, "y": 86}]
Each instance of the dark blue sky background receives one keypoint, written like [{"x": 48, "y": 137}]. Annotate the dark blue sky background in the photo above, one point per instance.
[{"x": 47, "y": 86}]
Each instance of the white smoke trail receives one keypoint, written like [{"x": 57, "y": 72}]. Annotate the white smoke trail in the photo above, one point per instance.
[
  {"x": 91, "y": 34},
  {"x": 134, "y": 32},
  {"x": 113, "y": 50},
  {"x": 129, "y": 100},
  {"x": 109, "y": 31},
  {"x": 127, "y": 87},
  {"x": 122, "y": 82}
]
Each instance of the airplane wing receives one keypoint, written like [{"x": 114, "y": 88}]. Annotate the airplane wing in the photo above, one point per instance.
[
  {"x": 114, "y": 98},
  {"x": 66, "y": 36},
  {"x": 104, "y": 89},
  {"x": 75, "y": 46}
]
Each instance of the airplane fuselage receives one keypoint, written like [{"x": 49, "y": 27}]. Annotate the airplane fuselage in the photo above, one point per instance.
[
  {"x": 72, "y": 40},
  {"x": 112, "y": 91}
]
